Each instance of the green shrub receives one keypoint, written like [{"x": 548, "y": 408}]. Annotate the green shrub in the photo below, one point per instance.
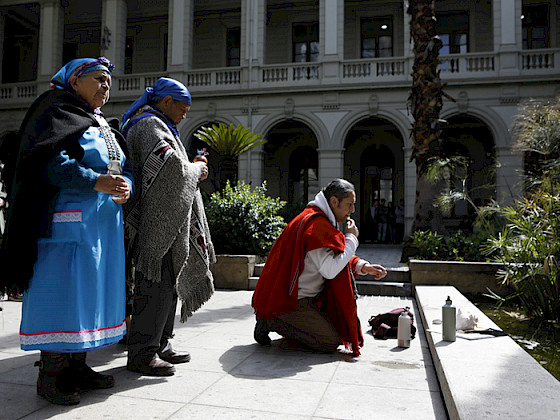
[
  {"x": 244, "y": 221},
  {"x": 457, "y": 246},
  {"x": 429, "y": 245},
  {"x": 529, "y": 248}
]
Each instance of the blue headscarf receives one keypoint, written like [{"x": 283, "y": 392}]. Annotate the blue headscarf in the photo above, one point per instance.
[
  {"x": 162, "y": 88},
  {"x": 78, "y": 67}
]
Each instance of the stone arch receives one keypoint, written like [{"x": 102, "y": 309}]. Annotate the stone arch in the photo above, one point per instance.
[
  {"x": 309, "y": 120},
  {"x": 468, "y": 135},
  {"x": 399, "y": 120},
  {"x": 290, "y": 160},
  {"x": 374, "y": 162},
  {"x": 494, "y": 121}
]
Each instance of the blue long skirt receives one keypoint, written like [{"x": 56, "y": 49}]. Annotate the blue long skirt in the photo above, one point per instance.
[{"x": 76, "y": 298}]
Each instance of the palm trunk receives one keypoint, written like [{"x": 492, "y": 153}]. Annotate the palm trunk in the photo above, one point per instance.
[
  {"x": 425, "y": 103},
  {"x": 228, "y": 171}
]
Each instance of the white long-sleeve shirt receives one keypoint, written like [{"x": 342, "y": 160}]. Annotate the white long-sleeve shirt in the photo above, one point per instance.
[{"x": 322, "y": 263}]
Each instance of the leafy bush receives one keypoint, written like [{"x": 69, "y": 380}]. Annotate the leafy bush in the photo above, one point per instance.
[
  {"x": 457, "y": 246},
  {"x": 244, "y": 221},
  {"x": 529, "y": 248}
]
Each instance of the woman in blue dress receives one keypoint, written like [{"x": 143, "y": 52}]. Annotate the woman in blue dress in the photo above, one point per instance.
[{"x": 71, "y": 180}]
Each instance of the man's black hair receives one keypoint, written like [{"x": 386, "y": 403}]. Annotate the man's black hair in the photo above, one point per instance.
[{"x": 339, "y": 188}]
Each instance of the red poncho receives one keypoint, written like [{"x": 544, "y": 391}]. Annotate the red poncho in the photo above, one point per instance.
[{"x": 276, "y": 292}]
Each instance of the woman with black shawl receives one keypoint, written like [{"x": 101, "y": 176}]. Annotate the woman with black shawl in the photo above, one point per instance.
[{"x": 65, "y": 229}]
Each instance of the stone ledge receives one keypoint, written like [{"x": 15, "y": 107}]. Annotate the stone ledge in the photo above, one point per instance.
[
  {"x": 485, "y": 377},
  {"x": 466, "y": 276},
  {"x": 233, "y": 271}
]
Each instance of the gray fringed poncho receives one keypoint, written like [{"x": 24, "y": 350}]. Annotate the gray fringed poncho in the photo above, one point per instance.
[{"x": 166, "y": 213}]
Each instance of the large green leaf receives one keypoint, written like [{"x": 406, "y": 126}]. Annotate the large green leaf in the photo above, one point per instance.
[{"x": 229, "y": 140}]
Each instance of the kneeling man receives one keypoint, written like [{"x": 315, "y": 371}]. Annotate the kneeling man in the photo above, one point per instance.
[{"x": 306, "y": 291}]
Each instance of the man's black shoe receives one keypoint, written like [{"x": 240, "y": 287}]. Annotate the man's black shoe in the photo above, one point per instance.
[
  {"x": 156, "y": 367},
  {"x": 175, "y": 357},
  {"x": 261, "y": 333}
]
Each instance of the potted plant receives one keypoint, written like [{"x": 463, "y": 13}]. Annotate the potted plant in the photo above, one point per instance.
[{"x": 244, "y": 223}]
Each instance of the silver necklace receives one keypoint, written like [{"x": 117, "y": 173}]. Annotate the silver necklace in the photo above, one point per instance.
[{"x": 114, "y": 165}]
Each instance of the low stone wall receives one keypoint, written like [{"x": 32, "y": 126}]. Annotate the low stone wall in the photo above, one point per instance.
[
  {"x": 467, "y": 277},
  {"x": 233, "y": 271},
  {"x": 481, "y": 376}
]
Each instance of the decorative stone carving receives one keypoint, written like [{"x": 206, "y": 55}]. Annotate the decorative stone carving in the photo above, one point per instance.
[
  {"x": 289, "y": 106},
  {"x": 373, "y": 104},
  {"x": 330, "y": 101},
  {"x": 211, "y": 113},
  {"x": 463, "y": 102}
]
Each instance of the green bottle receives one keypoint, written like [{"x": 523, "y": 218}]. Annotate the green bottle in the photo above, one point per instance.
[{"x": 449, "y": 320}]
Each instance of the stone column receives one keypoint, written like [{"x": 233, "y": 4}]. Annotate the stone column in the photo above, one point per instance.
[
  {"x": 113, "y": 32},
  {"x": 180, "y": 38},
  {"x": 408, "y": 51},
  {"x": 331, "y": 38},
  {"x": 508, "y": 175},
  {"x": 507, "y": 35},
  {"x": 252, "y": 40},
  {"x": 409, "y": 190},
  {"x": 51, "y": 33},
  {"x": 331, "y": 165}
]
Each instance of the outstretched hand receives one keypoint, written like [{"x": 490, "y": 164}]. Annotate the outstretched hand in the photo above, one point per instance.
[{"x": 376, "y": 270}]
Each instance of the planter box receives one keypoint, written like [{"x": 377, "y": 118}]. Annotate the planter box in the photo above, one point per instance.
[
  {"x": 233, "y": 271},
  {"x": 467, "y": 277}
]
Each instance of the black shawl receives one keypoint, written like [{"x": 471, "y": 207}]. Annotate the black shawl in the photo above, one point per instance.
[{"x": 55, "y": 121}]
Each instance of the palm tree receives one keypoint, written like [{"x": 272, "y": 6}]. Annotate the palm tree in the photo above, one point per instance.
[
  {"x": 229, "y": 142},
  {"x": 425, "y": 102}
]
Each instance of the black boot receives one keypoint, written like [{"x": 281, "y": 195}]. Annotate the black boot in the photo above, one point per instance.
[
  {"x": 55, "y": 383},
  {"x": 85, "y": 378},
  {"x": 261, "y": 333}
]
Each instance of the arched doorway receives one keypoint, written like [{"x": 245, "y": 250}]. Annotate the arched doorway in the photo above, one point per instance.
[
  {"x": 467, "y": 136},
  {"x": 291, "y": 162},
  {"x": 374, "y": 163}
]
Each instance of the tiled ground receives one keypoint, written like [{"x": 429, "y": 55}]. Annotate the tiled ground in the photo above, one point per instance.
[{"x": 232, "y": 377}]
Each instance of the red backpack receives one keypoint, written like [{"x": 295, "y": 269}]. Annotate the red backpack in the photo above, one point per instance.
[{"x": 386, "y": 325}]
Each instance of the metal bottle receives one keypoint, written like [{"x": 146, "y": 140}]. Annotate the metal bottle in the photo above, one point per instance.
[
  {"x": 403, "y": 330},
  {"x": 449, "y": 320}
]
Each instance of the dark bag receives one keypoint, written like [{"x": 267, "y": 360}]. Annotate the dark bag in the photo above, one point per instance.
[{"x": 386, "y": 325}]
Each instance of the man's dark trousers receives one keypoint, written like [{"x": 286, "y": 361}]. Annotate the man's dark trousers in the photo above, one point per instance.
[{"x": 153, "y": 316}]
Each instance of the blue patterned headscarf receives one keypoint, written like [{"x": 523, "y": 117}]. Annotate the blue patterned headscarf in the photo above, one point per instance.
[
  {"x": 162, "y": 88},
  {"x": 78, "y": 67}
]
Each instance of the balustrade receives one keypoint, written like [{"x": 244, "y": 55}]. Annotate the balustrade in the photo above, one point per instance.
[{"x": 455, "y": 67}]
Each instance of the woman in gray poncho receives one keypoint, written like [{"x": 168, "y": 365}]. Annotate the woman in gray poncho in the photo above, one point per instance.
[{"x": 169, "y": 240}]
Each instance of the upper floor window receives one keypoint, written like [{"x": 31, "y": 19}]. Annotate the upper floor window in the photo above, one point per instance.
[
  {"x": 536, "y": 28},
  {"x": 305, "y": 40},
  {"x": 453, "y": 30},
  {"x": 20, "y": 52},
  {"x": 233, "y": 47},
  {"x": 377, "y": 37}
]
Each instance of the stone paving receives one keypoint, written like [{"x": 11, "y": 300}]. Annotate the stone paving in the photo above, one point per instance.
[
  {"x": 388, "y": 256},
  {"x": 232, "y": 377}
]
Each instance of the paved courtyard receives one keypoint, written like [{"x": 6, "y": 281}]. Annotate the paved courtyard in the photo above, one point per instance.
[{"x": 232, "y": 377}]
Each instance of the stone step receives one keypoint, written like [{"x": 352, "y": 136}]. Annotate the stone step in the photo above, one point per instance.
[
  {"x": 384, "y": 288},
  {"x": 258, "y": 269},
  {"x": 398, "y": 274},
  {"x": 252, "y": 283}
]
